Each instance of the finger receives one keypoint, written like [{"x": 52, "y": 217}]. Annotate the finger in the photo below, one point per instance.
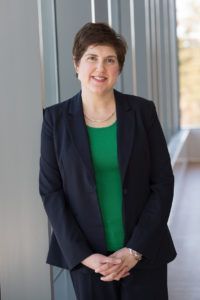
[
  {"x": 112, "y": 269},
  {"x": 115, "y": 275},
  {"x": 109, "y": 271},
  {"x": 125, "y": 275},
  {"x": 102, "y": 268},
  {"x": 112, "y": 277},
  {"x": 106, "y": 267},
  {"x": 119, "y": 275},
  {"x": 109, "y": 277},
  {"x": 112, "y": 260}
]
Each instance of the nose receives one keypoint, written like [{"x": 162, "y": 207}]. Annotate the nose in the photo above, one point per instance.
[{"x": 100, "y": 65}]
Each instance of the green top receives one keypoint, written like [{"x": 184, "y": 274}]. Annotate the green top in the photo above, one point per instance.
[{"x": 103, "y": 145}]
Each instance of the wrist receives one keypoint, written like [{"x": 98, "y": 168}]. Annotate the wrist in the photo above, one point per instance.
[{"x": 137, "y": 255}]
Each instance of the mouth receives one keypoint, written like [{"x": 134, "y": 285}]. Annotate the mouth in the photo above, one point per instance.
[{"x": 99, "y": 78}]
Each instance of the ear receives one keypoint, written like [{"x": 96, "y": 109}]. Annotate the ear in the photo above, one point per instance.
[{"x": 75, "y": 66}]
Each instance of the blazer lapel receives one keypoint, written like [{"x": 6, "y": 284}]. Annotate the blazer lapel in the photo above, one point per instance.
[
  {"x": 79, "y": 134},
  {"x": 125, "y": 131}
]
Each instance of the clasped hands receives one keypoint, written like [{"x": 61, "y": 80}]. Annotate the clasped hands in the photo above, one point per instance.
[{"x": 113, "y": 267}]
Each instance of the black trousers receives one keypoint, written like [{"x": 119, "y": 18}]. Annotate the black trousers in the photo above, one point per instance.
[{"x": 141, "y": 284}]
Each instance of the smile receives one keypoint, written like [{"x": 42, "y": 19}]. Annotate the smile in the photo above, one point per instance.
[{"x": 99, "y": 78}]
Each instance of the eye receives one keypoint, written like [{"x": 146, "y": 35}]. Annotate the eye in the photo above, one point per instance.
[
  {"x": 91, "y": 58},
  {"x": 111, "y": 60}
]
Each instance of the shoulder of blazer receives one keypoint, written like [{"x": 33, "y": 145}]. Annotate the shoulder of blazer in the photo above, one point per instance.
[
  {"x": 56, "y": 111},
  {"x": 136, "y": 102},
  {"x": 146, "y": 108}
]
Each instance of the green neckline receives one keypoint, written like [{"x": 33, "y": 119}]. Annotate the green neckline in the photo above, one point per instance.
[{"x": 105, "y": 127}]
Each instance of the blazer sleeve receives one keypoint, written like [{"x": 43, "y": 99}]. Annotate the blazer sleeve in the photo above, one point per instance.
[
  {"x": 70, "y": 238},
  {"x": 147, "y": 234}
]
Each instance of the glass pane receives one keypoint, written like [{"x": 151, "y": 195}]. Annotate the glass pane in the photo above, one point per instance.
[{"x": 188, "y": 18}]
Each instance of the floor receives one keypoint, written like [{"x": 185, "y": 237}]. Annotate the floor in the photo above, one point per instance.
[{"x": 184, "y": 271}]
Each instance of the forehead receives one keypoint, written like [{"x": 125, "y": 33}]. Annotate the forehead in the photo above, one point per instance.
[{"x": 103, "y": 50}]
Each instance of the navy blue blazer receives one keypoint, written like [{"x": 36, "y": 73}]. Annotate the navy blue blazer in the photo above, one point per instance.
[{"x": 68, "y": 189}]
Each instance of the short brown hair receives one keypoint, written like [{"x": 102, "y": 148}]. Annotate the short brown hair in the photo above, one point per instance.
[{"x": 99, "y": 34}]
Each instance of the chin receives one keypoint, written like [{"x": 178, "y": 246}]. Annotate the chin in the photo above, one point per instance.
[{"x": 99, "y": 91}]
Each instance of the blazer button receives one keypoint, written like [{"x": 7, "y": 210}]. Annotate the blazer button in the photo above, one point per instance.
[{"x": 125, "y": 191}]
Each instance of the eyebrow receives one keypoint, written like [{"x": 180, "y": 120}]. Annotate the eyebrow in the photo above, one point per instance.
[{"x": 115, "y": 56}]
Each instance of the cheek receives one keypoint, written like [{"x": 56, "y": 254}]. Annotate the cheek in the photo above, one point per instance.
[
  {"x": 82, "y": 74},
  {"x": 115, "y": 72},
  {"x": 85, "y": 70}
]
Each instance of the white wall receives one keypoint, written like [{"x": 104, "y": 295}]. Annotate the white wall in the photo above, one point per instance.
[{"x": 23, "y": 224}]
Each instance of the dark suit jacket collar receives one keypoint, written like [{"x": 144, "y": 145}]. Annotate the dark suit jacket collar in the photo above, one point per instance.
[
  {"x": 75, "y": 105},
  {"x": 125, "y": 131}
]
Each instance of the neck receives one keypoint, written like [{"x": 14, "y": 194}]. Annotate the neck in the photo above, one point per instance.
[{"x": 98, "y": 103}]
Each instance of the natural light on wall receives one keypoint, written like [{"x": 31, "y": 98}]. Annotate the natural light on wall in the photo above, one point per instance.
[{"x": 188, "y": 31}]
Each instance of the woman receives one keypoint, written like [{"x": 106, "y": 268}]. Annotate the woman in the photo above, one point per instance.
[{"x": 106, "y": 180}]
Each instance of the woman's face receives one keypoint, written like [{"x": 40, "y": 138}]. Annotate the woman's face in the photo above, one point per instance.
[{"x": 98, "y": 69}]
